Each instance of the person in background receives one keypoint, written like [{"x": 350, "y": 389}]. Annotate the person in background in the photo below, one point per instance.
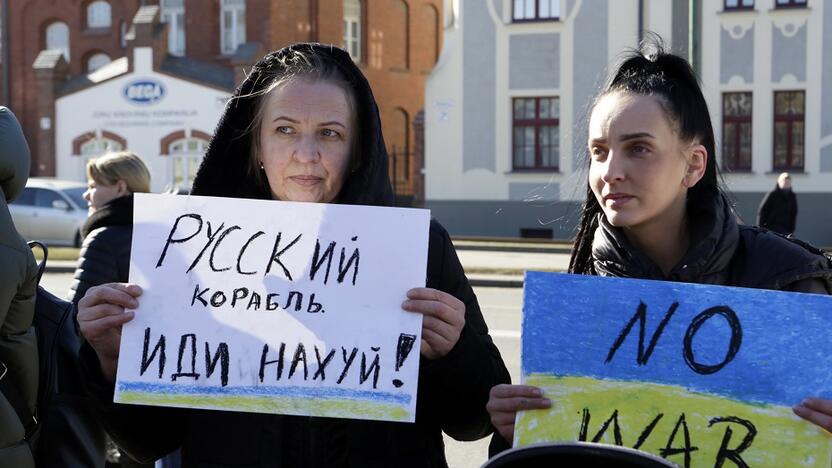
[
  {"x": 778, "y": 210},
  {"x": 112, "y": 179}
]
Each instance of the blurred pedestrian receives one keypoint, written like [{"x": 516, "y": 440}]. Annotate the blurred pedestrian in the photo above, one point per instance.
[{"x": 778, "y": 210}]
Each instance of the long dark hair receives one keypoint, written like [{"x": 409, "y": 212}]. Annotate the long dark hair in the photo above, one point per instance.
[{"x": 650, "y": 71}]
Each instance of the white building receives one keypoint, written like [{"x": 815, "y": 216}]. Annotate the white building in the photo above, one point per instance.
[
  {"x": 506, "y": 105},
  {"x": 164, "y": 108}
]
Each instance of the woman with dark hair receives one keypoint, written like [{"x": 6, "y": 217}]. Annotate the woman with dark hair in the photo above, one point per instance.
[
  {"x": 654, "y": 208},
  {"x": 304, "y": 127}
]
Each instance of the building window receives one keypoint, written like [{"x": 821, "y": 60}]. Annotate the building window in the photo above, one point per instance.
[
  {"x": 98, "y": 14},
  {"x": 536, "y": 133},
  {"x": 97, "y": 61},
  {"x": 173, "y": 13},
  {"x": 122, "y": 37},
  {"x": 97, "y": 146},
  {"x": 790, "y": 3},
  {"x": 57, "y": 38},
  {"x": 789, "y": 125},
  {"x": 352, "y": 28},
  {"x": 232, "y": 25},
  {"x": 739, "y": 4},
  {"x": 736, "y": 131},
  {"x": 536, "y": 10},
  {"x": 186, "y": 155}
]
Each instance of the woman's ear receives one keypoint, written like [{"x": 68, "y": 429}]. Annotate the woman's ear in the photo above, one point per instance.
[
  {"x": 121, "y": 188},
  {"x": 697, "y": 157}
]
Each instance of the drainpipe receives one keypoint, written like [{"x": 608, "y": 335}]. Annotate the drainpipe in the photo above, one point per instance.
[
  {"x": 640, "y": 20},
  {"x": 694, "y": 34},
  {"x": 4, "y": 40}
]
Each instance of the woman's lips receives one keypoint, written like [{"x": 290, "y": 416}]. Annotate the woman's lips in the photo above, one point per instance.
[
  {"x": 616, "y": 200},
  {"x": 306, "y": 181}
]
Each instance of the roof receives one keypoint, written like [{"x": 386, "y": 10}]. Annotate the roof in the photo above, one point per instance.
[
  {"x": 80, "y": 82},
  {"x": 200, "y": 72}
]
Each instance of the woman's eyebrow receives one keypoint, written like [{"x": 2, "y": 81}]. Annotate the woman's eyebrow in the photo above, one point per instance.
[
  {"x": 283, "y": 117},
  {"x": 633, "y": 136},
  {"x": 331, "y": 122}
]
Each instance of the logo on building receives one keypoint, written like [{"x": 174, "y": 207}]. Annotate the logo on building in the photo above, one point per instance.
[{"x": 144, "y": 92}]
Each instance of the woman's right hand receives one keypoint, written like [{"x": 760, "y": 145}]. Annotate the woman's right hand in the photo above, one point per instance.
[
  {"x": 506, "y": 400},
  {"x": 100, "y": 317}
]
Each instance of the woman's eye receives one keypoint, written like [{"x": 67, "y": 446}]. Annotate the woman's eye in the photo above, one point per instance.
[
  {"x": 640, "y": 149},
  {"x": 328, "y": 132},
  {"x": 597, "y": 152},
  {"x": 285, "y": 130}
]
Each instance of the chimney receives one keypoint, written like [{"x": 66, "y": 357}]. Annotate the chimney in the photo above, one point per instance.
[
  {"x": 51, "y": 70},
  {"x": 148, "y": 30}
]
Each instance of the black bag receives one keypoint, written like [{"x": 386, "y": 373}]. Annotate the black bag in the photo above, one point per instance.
[{"x": 70, "y": 434}]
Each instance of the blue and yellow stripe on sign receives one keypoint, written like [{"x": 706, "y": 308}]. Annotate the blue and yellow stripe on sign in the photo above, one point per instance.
[{"x": 656, "y": 418}]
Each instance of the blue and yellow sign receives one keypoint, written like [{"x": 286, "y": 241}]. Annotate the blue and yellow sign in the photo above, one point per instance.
[{"x": 701, "y": 375}]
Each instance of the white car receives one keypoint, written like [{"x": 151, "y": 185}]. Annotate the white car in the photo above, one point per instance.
[{"x": 51, "y": 211}]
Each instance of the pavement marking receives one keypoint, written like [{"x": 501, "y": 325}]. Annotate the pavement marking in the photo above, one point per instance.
[{"x": 505, "y": 334}]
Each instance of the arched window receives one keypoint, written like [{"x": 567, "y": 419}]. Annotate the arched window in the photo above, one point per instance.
[
  {"x": 95, "y": 147},
  {"x": 97, "y": 61},
  {"x": 57, "y": 38},
  {"x": 402, "y": 35},
  {"x": 98, "y": 14},
  {"x": 431, "y": 22},
  {"x": 352, "y": 28},
  {"x": 186, "y": 154}
]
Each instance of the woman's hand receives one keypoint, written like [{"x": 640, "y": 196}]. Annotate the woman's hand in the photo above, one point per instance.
[
  {"x": 817, "y": 411},
  {"x": 506, "y": 400},
  {"x": 444, "y": 317},
  {"x": 100, "y": 317}
]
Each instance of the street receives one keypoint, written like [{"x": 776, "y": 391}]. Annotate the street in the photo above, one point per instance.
[{"x": 501, "y": 309}]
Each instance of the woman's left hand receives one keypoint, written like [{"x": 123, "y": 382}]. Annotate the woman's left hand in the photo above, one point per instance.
[
  {"x": 817, "y": 411},
  {"x": 444, "y": 317}
]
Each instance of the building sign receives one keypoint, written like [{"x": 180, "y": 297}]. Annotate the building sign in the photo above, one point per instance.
[{"x": 144, "y": 92}]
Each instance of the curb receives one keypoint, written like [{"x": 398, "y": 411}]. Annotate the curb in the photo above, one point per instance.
[
  {"x": 60, "y": 266},
  {"x": 495, "y": 281}
]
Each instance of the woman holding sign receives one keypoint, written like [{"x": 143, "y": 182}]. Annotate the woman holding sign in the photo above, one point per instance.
[
  {"x": 304, "y": 127},
  {"x": 654, "y": 209}
]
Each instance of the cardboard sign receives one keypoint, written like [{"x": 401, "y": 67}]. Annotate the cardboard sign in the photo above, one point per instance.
[
  {"x": 274, "y": 307},
  {"x": 701, "y": 375}
]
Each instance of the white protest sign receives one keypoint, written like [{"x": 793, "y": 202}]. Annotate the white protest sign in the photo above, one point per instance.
[{"x": 274, "y": 307}]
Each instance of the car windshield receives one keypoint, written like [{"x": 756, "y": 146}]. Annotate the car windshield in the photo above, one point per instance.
[{"x": 77, "y": 196}]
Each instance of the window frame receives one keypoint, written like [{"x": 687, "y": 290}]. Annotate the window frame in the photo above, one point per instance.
[
  {"x": 171, "y": 15},
  {"x": 358, "y": 41},
  {"x": 790, "y": 120},
  {"x": 537, "y": 123},
  {"x": 94, "y": 55},
  {"x": 739, "y": 6},
  {"x": 90, "y": 15},
  {"x": 64, "y": 49},
  {"x": 791, "y": 4},
  {"x": 188, "y": 158},
  {"x": 235, "y": 9},
  {"x": 736, "y": 122},
  {"x": 536, "y": 18}
]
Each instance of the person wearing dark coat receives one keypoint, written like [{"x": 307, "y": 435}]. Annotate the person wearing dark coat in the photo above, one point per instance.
[
  {"x": 654, "y": 210},
  {"x": 778, "y": 210},
  {"x": 304, "y": 126}
]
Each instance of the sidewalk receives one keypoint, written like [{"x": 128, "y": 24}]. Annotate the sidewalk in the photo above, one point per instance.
[{"x": 486, "y": 262}]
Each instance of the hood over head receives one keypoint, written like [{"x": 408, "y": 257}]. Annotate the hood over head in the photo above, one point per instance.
[
  {"x": 225, "y": 171},
  {"x": 14, "y": 156}
]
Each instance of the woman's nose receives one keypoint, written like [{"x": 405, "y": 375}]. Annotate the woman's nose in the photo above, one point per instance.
[
  {"x": 307, "y": 150},
  {"x": 87, "y": 195},
  {"x": 613, "y": 169}
]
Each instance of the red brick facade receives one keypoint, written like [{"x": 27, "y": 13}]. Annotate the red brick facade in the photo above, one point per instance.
[{"x": 401, "y": 40}]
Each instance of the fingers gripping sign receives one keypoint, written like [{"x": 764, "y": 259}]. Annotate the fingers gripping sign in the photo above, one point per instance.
[
  {"x": 505, "y": 401},
  {"x": 444, "y": 317},
  {"x": 101, "y": 314}
]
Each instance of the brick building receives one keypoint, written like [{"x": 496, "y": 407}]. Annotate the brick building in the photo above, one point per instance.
[{"x": 396, "y": 43}]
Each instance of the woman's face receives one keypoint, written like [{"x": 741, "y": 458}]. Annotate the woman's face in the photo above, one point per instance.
[
  {"x": 640, "y": 170},
  {"x": 99, "y": 194},
  {"x": 305, "y": 140}
]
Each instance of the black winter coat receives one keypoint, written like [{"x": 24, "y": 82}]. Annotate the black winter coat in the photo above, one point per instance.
[
  {"x": 452, "y": 392},
  {"x": 105, "y": 253},
  {"x": 778, "y": 211}
]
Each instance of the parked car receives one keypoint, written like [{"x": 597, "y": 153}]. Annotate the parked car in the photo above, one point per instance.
[{"x": 51, "y": 211}]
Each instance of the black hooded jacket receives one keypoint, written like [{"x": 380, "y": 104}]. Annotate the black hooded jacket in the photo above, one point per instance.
[
  {"x": 453, "y": 390},
  {"x": 105, "y": 253},
  {"x": 721, "y": 253}
]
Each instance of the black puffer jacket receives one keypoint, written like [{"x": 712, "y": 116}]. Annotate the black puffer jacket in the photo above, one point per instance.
[
  {"x": 721, "y": 253},
  {"x": 452, "y": 392},
  {"x": 105, "y": 254}
]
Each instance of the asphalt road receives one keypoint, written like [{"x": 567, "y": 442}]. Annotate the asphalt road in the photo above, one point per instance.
[{"x": 501, "y": 308}]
